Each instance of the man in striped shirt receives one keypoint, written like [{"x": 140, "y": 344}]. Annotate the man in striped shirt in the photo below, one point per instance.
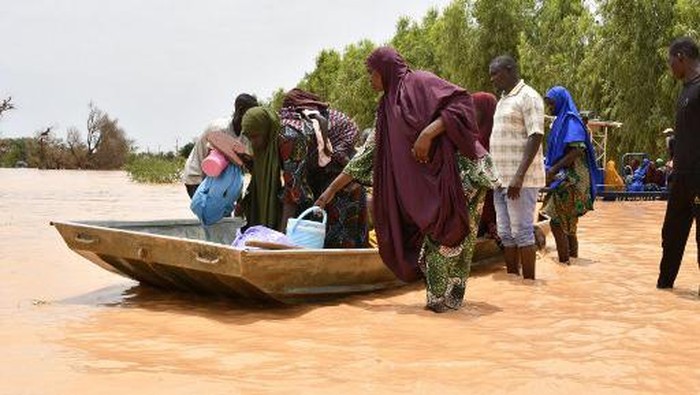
[
  {"x": 516, "y": 149},
  {"x": 192, "y": 174}
]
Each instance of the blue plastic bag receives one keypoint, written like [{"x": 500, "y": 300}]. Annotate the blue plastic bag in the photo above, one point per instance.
[{"x": 215, "y": 198}]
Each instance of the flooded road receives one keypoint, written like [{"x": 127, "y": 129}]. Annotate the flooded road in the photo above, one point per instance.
[{"x": 599, "y": 326}]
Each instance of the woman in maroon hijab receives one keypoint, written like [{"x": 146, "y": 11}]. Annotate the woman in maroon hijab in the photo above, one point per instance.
[
  {"x": 485, "y": 106},
  {"x": 430, "y": 175}
]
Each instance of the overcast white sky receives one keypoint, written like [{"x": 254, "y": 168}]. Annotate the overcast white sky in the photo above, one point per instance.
[{"x": 165, "y": 68}]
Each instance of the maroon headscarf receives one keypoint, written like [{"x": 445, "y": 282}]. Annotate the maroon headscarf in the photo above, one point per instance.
[
  {"x": 485, "y": 105},
  {"x": 411, "y": 199},
  {"x": 299, "y": 98}
]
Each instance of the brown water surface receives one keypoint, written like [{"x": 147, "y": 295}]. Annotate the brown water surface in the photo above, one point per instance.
[{"x": 599, "y": 326}]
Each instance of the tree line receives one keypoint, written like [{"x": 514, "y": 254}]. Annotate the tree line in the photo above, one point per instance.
[
  {"x": 610, "y": 54},
  {"x": 103, "y": 145}
]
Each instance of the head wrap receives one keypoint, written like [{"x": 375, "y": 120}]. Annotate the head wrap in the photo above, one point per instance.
[
  {"x": 265, "y": 207},
  {"x": 485, "y": 104},
  {"x": 295, "y": 107},
  {"x": 568, "y": 128},
  {"x": 243, "y": 103},
  {"x": 304, "y": 100}
]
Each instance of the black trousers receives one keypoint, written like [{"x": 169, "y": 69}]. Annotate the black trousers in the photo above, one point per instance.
[{"x": 683, "y": 206}]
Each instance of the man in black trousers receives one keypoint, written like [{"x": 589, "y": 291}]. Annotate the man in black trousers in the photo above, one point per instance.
[{"x": 684, "y": 201}]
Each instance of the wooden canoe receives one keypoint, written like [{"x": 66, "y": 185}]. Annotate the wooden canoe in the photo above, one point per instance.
[{"x": 182, "y": 255}]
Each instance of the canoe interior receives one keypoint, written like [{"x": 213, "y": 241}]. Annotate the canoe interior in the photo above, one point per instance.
[
  {"x": 182, "y": 255},
  {"x": 223, "y": 232}
]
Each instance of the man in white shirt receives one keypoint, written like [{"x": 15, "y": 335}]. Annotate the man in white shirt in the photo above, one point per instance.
[
  {"x": 516, "y": 149},
  {"x": 192, "y": 174}
]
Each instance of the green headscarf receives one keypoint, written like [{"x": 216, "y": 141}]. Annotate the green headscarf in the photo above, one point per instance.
[{"x": 264, "y": 206}]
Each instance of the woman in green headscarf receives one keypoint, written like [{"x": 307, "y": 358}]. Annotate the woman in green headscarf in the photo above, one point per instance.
[{"x": 261, "y": 205}]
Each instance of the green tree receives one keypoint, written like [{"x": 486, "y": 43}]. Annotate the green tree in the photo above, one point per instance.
[
  {"x": 453, "y": 42},
  {"x": 15, "y": 151},
  {"x": 324, "y": 78},
  {"x": 625, "y": 75},
  {"x": 417, "y": 41},
  {"x": 185, "y": 150},
  {"x": 611, "y": 55},
  {"x": 353, "y": 94},
  {"x": 555, "y": 43},
  {"x": 687, "y": 18},
  {"x": 499, "y": 26},
  {"x": 275, "y": 102}
]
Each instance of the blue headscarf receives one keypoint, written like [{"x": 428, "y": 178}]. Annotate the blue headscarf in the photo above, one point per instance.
[{"x": 568, "y": 128}]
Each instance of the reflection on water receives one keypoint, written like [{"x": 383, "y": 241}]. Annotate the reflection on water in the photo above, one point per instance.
[
  {"x": 598, "y": 326},
  {"x": 135, "y": 295}
]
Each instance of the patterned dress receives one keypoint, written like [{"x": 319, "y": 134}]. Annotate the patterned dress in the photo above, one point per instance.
[
  {"x": 304, "y": 181},
  {"x": 446, "y": 269},
  {"x": 572, "y": 198},
  {"x": 361, "y": 165}
]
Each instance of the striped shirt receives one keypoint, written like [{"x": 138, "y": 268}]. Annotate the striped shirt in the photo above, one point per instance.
[{"x": 519, "y": 114}]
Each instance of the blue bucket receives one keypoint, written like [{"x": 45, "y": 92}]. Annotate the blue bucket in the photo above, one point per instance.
[{"x": 306, "y": 233}]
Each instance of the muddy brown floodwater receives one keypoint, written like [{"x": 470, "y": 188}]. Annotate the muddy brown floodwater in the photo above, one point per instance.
[{"x": 599, "y": 326}]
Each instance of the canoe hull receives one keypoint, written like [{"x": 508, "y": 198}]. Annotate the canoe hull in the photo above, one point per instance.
[{"x": 181, "y": 255}]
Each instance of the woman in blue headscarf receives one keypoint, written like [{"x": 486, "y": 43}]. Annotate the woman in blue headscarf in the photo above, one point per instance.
[{"x": 571, "y": 172}]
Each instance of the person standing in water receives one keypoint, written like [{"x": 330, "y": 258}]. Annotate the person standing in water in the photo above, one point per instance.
[
  {"x": 429, "y": 177},
  {"x": 571, "y": 172},
  {"x": 485, "y": 107},
  {"x": 516, "y": 148},
  {"x": 684, "y": 200}
]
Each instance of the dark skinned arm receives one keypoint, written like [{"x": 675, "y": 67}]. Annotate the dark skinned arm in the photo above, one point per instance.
[
  {"x": 339, "y": 183},
  {"x": 289, "y": 210},
  {"x": 533, "y": 144},
  {"x": 421, "y": 148},
  {"x": 571, "y": 155}
]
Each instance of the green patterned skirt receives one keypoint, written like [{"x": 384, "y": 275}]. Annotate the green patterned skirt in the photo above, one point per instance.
[
  {"x": 571, "y": 199},
  {"x": 446, "y": 269}
]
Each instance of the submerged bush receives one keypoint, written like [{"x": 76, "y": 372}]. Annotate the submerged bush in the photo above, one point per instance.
[{"x": 156, "y": 169}]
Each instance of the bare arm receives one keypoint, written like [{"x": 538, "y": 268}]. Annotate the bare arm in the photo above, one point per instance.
[
  {"x": 421, "y": 148},
  {"x": 339, "y": 183},
  {"x": 533, "y": 116},
  {"x": 533, "y": 145},
  {"x": 192, "y": 173},
  {"x": 571, "y": 155}
]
